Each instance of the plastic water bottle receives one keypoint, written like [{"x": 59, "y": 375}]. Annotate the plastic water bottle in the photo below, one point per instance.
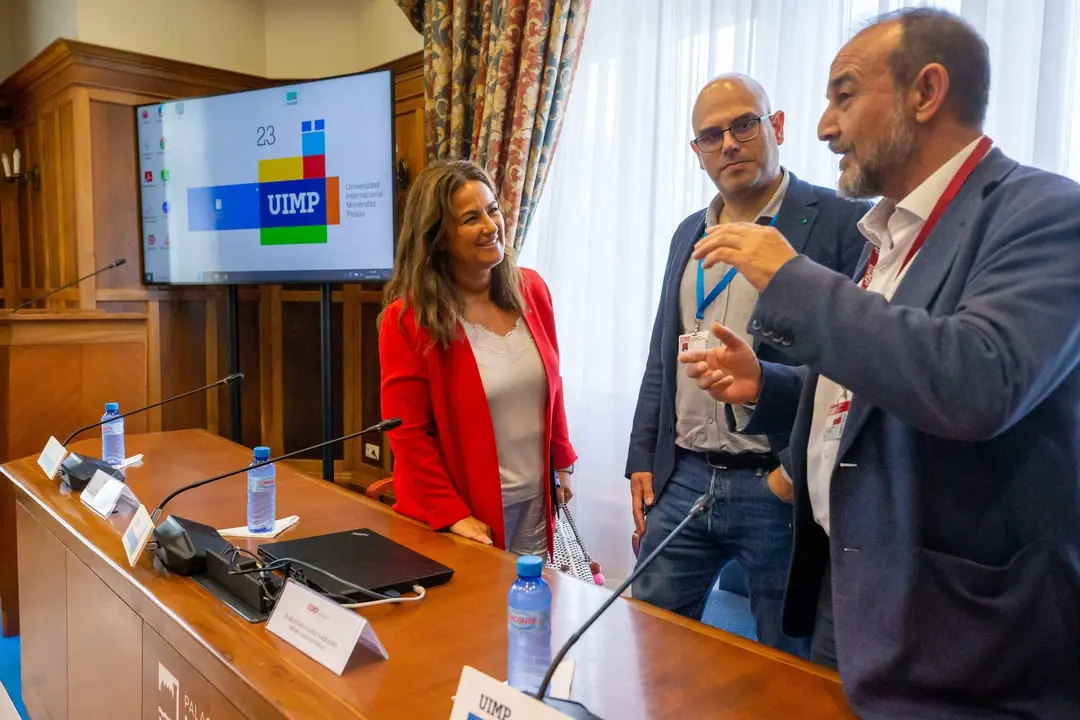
[
  {"x": 529, "y": 626},
  {"x": 262, "y": 493},
  {"x": 112, "y": 435}
]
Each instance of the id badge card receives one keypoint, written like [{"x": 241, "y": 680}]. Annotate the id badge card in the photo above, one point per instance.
[
  {"x": 693, "y": 341},
  {"x": 836, "y": 419}
]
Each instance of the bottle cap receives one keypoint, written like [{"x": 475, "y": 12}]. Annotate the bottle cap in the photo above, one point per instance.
[
  {"x": 262, "y": 453},
  {"x": 529, "y": 566},
  {"x": 112, "y": 407}
]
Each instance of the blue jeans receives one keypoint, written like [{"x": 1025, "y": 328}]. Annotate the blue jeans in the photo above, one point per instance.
[{"x": 747, "y": 523}]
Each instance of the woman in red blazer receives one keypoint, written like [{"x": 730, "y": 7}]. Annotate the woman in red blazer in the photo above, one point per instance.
[{"x": 470, "y": 364}]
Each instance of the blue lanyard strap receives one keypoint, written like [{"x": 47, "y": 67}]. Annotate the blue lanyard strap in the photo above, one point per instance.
[{"x": 704, "y": 301}]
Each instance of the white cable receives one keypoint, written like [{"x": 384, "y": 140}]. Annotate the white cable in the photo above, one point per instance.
[{"x": 418, "y": 589}]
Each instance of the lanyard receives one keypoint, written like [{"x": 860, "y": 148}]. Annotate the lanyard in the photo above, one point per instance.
[
  {"x": 703, "y": 300},
  {"x": 943, "y": 202}
]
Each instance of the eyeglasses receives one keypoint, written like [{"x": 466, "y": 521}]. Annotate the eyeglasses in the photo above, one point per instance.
[{"x": 712, "y": 139}]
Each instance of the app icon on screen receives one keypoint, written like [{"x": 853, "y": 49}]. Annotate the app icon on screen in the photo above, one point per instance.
[
  {"x": 292, "y": 97},
  {"x": 151, "y": 240},
  {"x": 165, "y": 207},
  {"x": 148, "y": 176},
  {"x": 145, "y": 114},
  {"x": 161, "y": 143},
  {"x": 179, "y": 108},
  {"x": 164, "y": 176}
]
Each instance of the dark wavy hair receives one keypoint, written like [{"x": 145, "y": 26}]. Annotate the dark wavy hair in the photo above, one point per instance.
[{"x": 422, "y": 277}]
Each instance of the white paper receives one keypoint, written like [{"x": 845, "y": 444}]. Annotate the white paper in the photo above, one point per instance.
[
  {"x": 321, "y": 628},
  {"x": 562, "y": 680},
  {"x": 280, "y": 526},
  {"x": 104, "y": 494},
  {"x": 481, "y": 696},
  {"x": 133, "y": 460},
  {"x": 137, "y": 535},
  {"x": 51, "y": 457}
]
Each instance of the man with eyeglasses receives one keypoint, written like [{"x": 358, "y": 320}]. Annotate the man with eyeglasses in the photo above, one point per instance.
[{"x": 680, "y": 446}]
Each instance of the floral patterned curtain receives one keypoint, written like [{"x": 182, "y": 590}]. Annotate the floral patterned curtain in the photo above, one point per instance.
[{"x": 497, "y": 76}]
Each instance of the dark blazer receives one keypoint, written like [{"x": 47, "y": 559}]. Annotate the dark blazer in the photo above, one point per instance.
[
  {"x": 818, "y": 224},
  {"x": 955, "y": 505}
]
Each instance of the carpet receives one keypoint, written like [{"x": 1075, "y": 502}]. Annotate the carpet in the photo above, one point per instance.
[{"x": 10, "y": 675}]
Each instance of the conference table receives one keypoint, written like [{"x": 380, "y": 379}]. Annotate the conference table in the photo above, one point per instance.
[{"x": 103, "y": 639}]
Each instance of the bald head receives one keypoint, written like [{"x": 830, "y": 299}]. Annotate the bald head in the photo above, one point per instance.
[
  {"x": 725, "y": 88},
  {"x": 737, "y": 136}
]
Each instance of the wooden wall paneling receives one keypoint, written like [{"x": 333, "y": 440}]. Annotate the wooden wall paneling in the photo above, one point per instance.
[
  {"x": 213, "y": 368},
  {"x": 351, "y": 380},
  {"x": 97, "y": 619},
  {"x": 153, "y": 364},
  {"x": 9, "y": 226},
  {"x": 270, "y": 366},
  {"x": 43, "y": 617},
  {"x": 183, "y": 363},
  {"x": 301, "y": 371},
  {"x": 371, "y": 407},
  {"x": 114, "y": 196},
  {"x": 84, "y": 181},
  {"x": 248, "y": 320}
]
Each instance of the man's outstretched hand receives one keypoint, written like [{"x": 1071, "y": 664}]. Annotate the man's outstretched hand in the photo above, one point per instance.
[{"x": 730, "y": 373}]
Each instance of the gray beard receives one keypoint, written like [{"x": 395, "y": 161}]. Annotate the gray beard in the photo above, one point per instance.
[{"x": 867, "y": 178}]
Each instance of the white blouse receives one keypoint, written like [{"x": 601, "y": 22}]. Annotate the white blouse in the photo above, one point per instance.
[{"x": 516, "y": 389}]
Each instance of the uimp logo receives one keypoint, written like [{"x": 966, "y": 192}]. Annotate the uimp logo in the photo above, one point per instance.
[
  {"x": 168, "y": 695},
  {"x": 313, "y": 609},
  {"x": 293, "y": 202}
]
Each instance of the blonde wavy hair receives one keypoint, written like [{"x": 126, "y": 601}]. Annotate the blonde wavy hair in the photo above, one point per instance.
[{"x": 422, "y": 276}]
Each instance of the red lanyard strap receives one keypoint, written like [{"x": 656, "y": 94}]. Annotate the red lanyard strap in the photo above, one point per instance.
[{"x": 943, "y": 202}]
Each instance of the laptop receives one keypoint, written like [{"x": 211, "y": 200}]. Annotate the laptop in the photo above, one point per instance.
[{"x": 362, "y": 557}]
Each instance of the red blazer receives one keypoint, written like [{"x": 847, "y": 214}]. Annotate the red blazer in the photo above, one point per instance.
[{"x": 446, "y": 465}]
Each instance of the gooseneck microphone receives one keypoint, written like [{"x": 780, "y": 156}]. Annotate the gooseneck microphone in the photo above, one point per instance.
[
  {"x": 77, "y": 470},
  {"x": 204, "y": 388},
  {"x": 182, "y": 545},
  {"x": 575, "y": 709},
  {"x": 114, "y": 264}
]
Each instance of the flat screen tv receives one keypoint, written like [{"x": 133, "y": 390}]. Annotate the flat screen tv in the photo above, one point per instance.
[{"x": 291, "y": 184}]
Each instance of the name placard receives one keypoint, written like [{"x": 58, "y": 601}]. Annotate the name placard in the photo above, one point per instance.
[
  {"x": 321, "y": 628},
  {"x": 137, "y": 535},
  {"x": 482, "y": 697},
  {"x": 51, "y": 457},
  {"x": 104, "y": 494}
]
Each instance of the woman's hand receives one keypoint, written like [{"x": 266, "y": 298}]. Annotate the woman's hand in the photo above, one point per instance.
[
  {"x": 564, "y": 493},
  {"x": 472, "y": 529}
]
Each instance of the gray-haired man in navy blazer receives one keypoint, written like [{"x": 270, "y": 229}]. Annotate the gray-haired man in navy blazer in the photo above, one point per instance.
[
  {"x": 680, "y": 446},
  {"x": 936, "y": 442}
]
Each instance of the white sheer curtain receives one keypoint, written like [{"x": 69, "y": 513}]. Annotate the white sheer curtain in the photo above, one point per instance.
[{"x": 624, "y": 175}]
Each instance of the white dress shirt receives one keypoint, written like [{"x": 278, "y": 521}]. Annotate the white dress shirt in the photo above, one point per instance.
[{"x": 892, "y": 229}]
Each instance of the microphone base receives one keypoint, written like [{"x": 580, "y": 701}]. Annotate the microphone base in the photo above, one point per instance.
[
  {"x": 77, "y": 470},
  {"x": 571, "y": 709},
  {"x": 182, "y": 545}
]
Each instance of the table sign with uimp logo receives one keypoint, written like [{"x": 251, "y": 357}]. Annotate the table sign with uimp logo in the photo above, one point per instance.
[
  {"x": 51, "y": 457},
  {"x": 481, "y": 697},
  {"x": 321, "y": 628}
]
